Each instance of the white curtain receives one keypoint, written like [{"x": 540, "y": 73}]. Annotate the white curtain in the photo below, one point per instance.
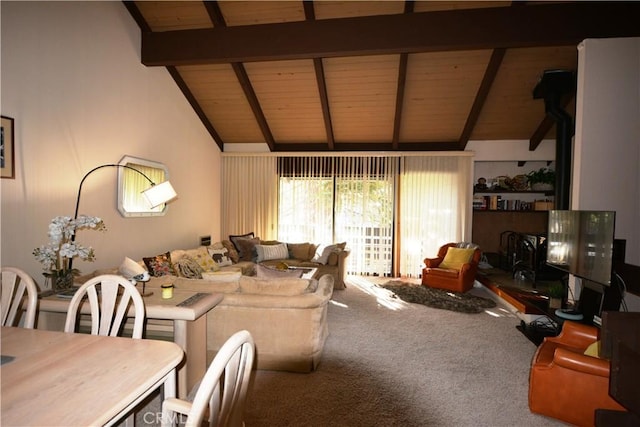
[
  {"x": 250, "y": 196},
  {"x": 392, "y": 210},
  {"x": 434, "y": 207},
  {"x": 364, "y": 211},
  {"x": 306, "y": 199}
]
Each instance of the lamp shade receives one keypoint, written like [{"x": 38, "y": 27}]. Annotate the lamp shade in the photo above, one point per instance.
[{"x": 160, "y": 193}]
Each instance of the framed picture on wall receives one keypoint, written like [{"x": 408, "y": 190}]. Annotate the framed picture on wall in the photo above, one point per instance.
[{"x": 7, "y": 169}]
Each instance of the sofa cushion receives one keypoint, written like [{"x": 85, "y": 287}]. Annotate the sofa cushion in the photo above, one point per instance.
[
  {"x": 272, "y": 286},
  {"x": 267, "y": 272},
  {"x": 268, "y": 252},
  {"x": 159, "y": 265},
  {"x": 300, "y": 251}
]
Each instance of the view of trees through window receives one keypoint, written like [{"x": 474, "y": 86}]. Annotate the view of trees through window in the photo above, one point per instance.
[{"x": 356, "y": 210}]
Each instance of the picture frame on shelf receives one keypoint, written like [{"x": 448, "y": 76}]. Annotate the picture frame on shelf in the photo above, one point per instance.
[{"x": 7, "y": 166}]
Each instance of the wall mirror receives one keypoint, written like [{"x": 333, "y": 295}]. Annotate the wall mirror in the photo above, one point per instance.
[{"x": 131, "y": 201}]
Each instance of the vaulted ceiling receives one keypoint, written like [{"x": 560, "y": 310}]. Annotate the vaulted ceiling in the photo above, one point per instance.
[{"x": 371, "y": 75}]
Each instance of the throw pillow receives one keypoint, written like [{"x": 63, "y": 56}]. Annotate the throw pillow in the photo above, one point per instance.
[
  {"x": 593, "y": 350},
  {"x": 234, "y": 238},
  {"x": 188, "y": 268},
  {"x": 267, "y": 252},
  {"x": 323, "y": 252},
  {"x": 202, "y": 257},
  {"x": 455, "y": 257},
  {"x": 299, "y": 251},
  {"x": 266, "y": 272},
  {"x": 160, "y": 265},
  {"x": 247, "y": 248},
  {"x": 220, "y": 256},
  {"x": 233, "y": 252}
]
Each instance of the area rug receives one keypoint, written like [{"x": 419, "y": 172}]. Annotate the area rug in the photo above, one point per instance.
[{"x": 438, "y": 298}]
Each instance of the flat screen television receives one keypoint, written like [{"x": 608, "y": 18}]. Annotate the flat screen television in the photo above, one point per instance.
[{"x": 581, "y": 243}]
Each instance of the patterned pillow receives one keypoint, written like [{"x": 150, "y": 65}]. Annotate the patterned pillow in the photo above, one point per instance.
[
  {"x": 233, "y": 252},
  {"x": 188, "y": 267},
  {"x": 267, "y": 252},
  {"x": 202, "y": 257},
  {"x": 220, "y": 256},
  {"x": 160, "y": 265}
]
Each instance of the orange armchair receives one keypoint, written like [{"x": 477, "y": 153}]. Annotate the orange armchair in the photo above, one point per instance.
[
  {"x": 457, "y": 277},
  {"x": 566, "y": 384}
]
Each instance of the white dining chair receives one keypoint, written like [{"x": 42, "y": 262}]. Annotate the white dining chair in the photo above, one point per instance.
[
  {"x": 223, "y": 389},
  {"x": 109, "y": 305},
  {"x": 14, "y": 283}
]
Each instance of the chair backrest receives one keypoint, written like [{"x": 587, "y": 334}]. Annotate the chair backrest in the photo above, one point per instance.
[
  {"x": 109, "y": 308},
  {"x": 13, "y": 285},
  {"x": 224, "y": 388}
]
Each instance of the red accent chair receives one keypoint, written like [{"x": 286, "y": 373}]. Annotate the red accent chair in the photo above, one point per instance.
[
  {"x": 456, "y": 280},
  {"x": 566, "y": 384}
]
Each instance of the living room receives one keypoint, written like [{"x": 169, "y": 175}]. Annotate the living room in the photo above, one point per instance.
[
  {"x": 73, "y": 82},
  {"x": 60, "y": 102}
]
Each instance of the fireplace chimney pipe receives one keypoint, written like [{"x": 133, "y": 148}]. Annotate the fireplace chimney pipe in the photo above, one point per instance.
[{"x": 553, "y": 86}]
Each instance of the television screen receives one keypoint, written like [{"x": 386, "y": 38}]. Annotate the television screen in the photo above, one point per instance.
[{"x": 581, "y": 243}]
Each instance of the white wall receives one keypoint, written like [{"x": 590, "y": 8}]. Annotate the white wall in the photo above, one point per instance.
[
  {"x": 606, "y": 174},
  {"x": 73, "y": 81}
]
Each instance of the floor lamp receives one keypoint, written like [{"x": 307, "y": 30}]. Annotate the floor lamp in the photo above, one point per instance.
[{"x": 155, "y": 194}]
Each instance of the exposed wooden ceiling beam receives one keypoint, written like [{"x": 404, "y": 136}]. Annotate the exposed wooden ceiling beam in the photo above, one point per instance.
[
  {"x": 402, "y": 79},
  {"x": 310, "y": 15},
  {"x": 547, "y": 24},
  {"x": 481, "y": 96},
  {"x": 215, "y": 14}
]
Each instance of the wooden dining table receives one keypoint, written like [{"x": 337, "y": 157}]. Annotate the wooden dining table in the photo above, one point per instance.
[{"x": 71, "y": 379}]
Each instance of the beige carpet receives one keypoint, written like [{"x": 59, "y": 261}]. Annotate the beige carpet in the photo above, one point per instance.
[{"x": 391, "y": 363}]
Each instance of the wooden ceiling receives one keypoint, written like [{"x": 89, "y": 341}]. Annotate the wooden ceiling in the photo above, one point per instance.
[{"x": 371, "y": 75}]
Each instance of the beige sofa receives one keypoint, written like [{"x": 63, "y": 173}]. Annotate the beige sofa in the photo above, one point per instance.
[
  {"x": 286, "y": 316},
  {"x": 330, "y": 259}
]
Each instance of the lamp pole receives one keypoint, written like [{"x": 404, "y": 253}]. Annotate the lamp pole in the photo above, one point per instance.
[{"x": 75, "y": 215}]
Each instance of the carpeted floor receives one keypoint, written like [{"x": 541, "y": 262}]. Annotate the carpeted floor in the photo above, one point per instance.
[{"x": 391, "y": 363}]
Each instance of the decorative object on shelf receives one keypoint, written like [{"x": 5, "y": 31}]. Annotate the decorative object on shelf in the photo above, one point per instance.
[
  {"x": 543, "y": 179},
  {"x": 555, "y": 292},
  {"x": 56, "y": 256},
  {"x": 481, "y": 185},
  {"x": 520, "y": 183}
]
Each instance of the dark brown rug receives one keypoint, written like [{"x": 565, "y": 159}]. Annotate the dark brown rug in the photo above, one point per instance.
[{"x": 438, "y": 298}]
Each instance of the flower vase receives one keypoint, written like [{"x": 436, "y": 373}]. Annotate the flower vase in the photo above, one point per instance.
[{"x": 61, "y": 280}]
